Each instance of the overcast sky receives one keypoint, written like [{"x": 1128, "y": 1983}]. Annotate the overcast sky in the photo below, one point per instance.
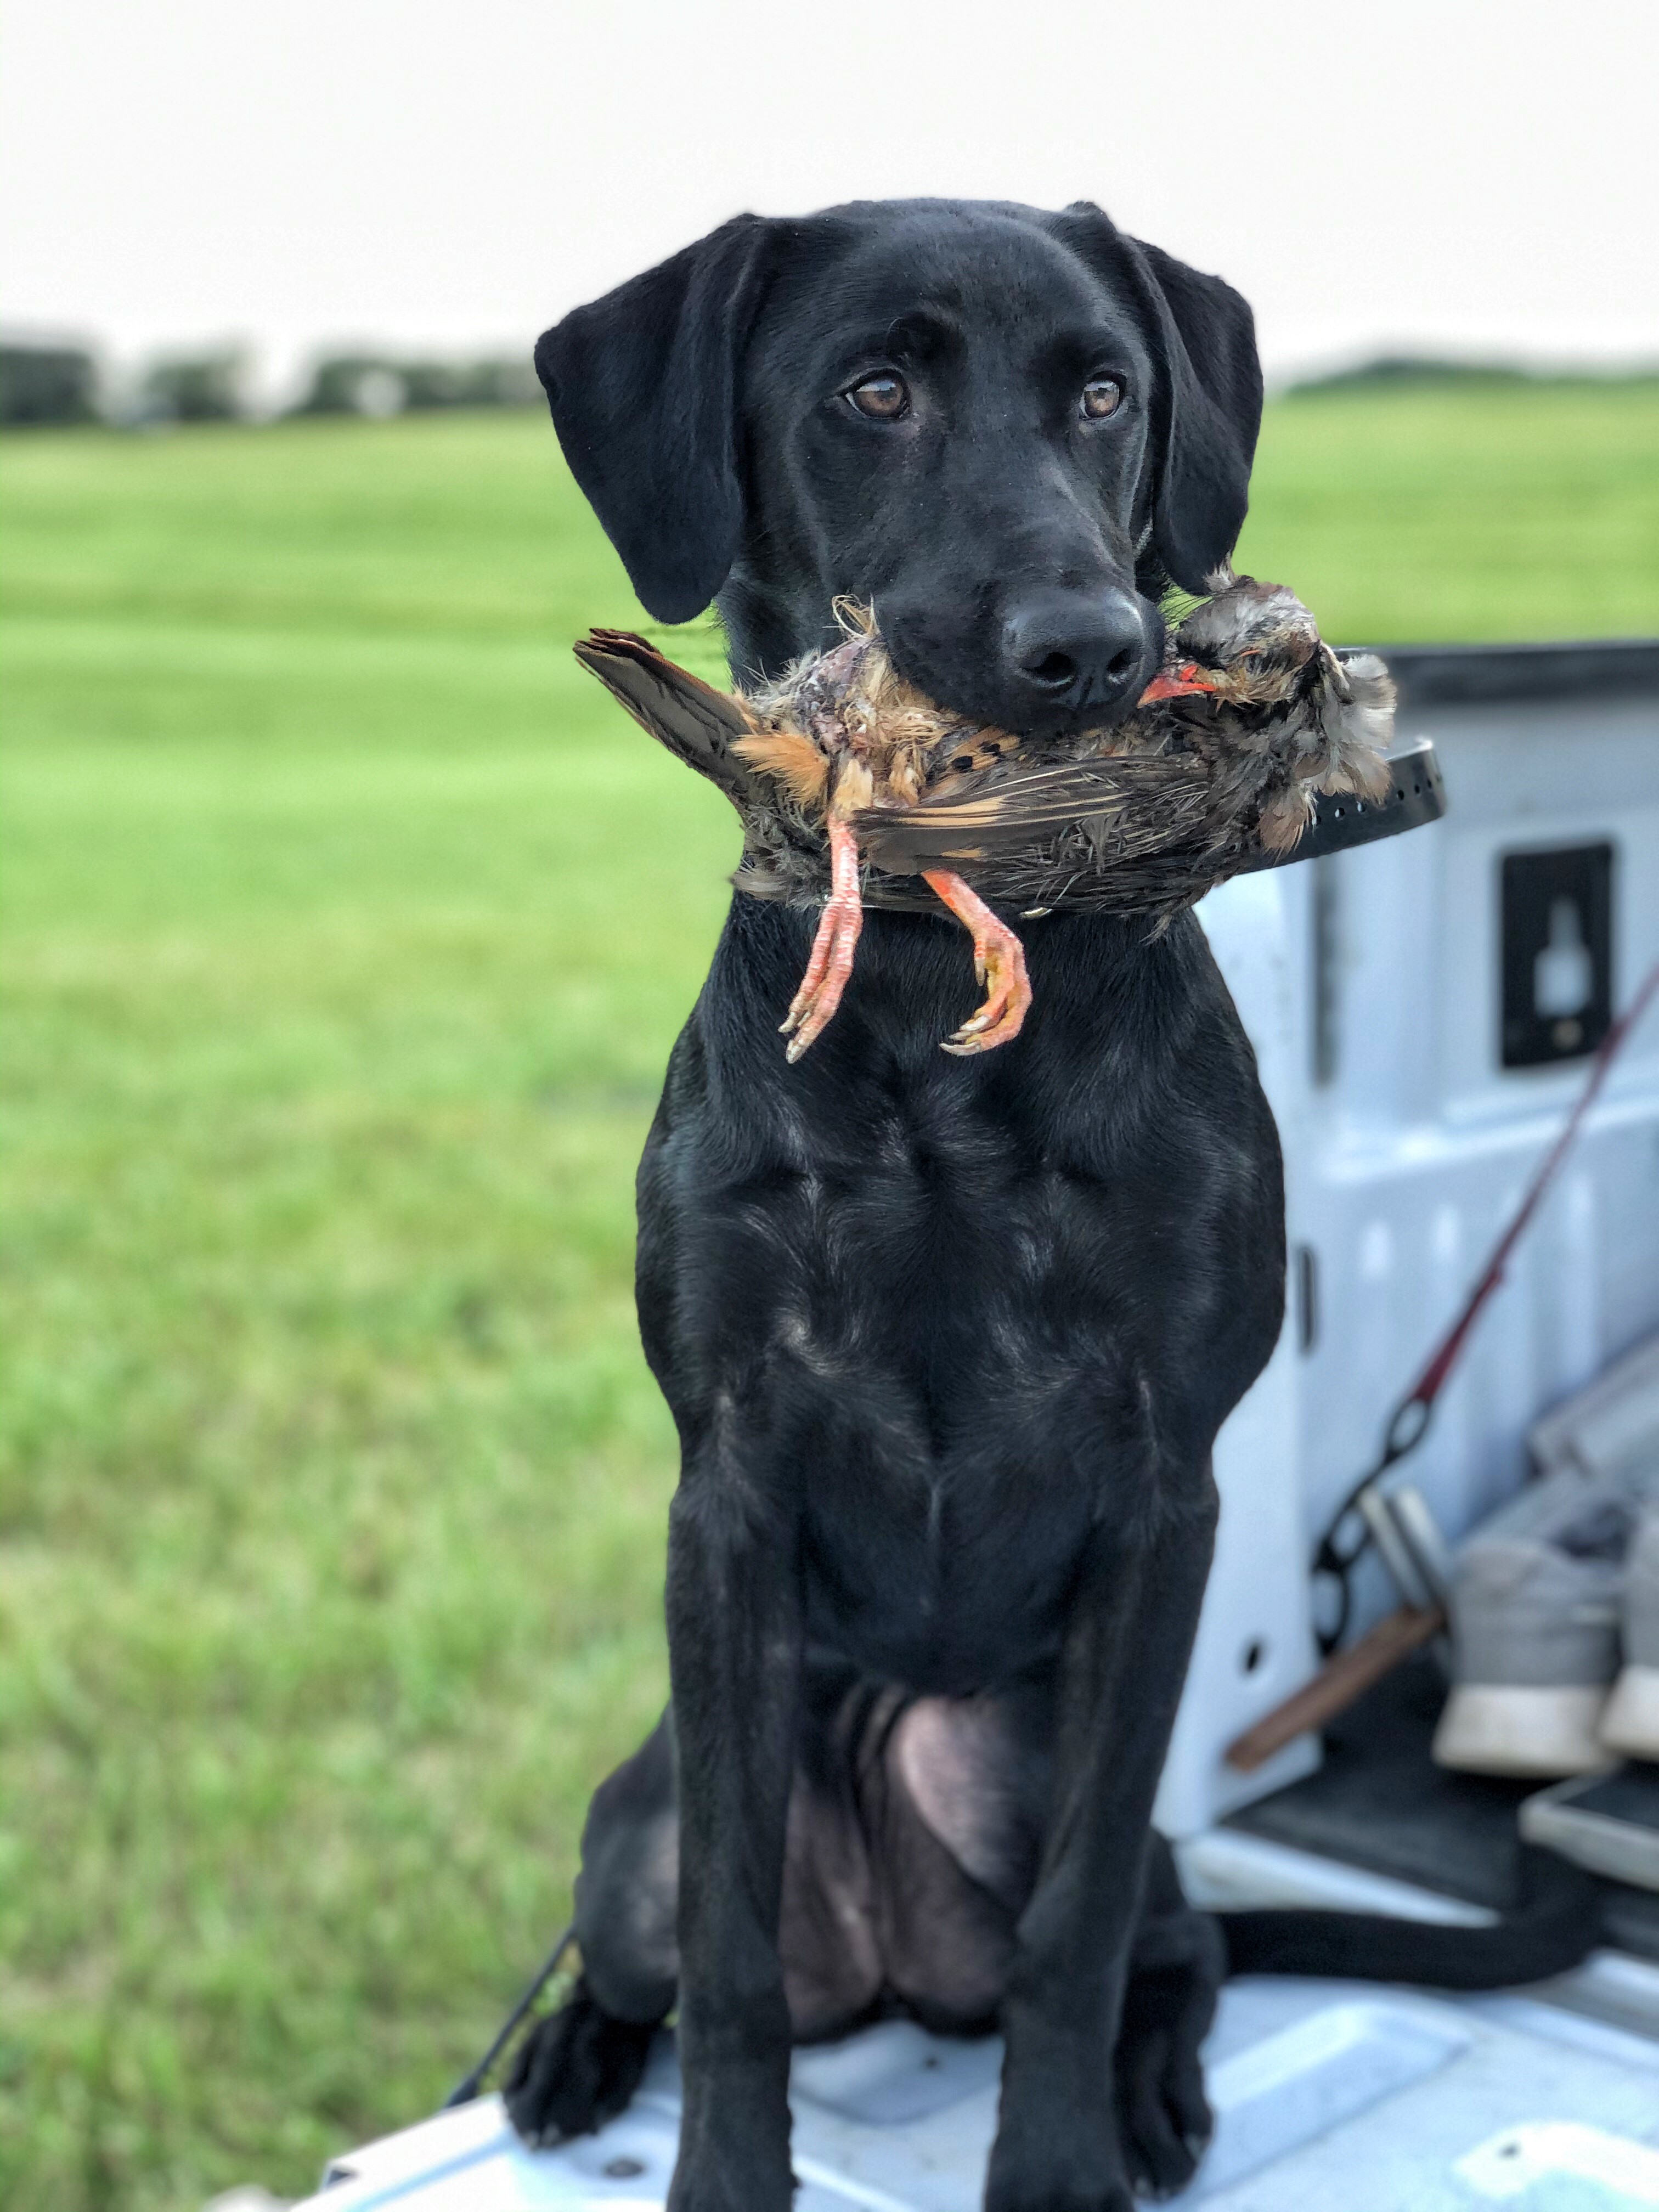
[{"x": 1476, "y": 176}]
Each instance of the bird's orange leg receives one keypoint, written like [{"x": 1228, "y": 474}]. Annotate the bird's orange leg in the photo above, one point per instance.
[
  {"x": 833, "y": 948},
  {"x": 998, "y": 962}
]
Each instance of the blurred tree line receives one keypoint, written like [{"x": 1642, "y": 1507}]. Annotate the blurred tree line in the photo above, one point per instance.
[
  {"x": 47, "y": 384},
  {"x": 370, "y": 384},
  {"x": 64, "y": 383}
]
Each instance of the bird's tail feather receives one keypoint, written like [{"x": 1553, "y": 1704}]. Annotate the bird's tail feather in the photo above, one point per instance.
[{"x": 697, "y": 724}]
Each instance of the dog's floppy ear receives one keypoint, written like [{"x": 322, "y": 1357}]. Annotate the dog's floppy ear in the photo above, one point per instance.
[
  {"x": 643, "y": 388},
  {"x": 1208, "y": 339},
  {"x": 1207, "y": 409}
]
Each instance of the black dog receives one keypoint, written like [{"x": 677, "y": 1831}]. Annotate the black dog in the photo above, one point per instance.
[{"x": 948, "y": 1342}]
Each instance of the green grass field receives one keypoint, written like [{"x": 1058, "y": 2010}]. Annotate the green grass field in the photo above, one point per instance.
[{"x": 346, "y": 931}]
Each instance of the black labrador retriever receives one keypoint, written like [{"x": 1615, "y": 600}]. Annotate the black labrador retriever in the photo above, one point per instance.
[{"x": 947, "y": 1341}]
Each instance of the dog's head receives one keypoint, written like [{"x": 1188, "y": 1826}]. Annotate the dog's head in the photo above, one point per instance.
[{"x": 1006, "y": 430}]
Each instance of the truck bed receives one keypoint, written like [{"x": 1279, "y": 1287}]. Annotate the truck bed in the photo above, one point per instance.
[{"x": 1327, "y": 2094}]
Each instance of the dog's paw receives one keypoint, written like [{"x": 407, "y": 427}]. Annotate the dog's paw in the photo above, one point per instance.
[
  {"x": 1039, "y": 2193},
  {"x": 737, "y": 2161},
  {"x": 1058, "y": 2156},
  {"x": 575, "y": 2069},
  {"x": 1164, "y": 2122},
  {"x": 1163, "y": 2117}
]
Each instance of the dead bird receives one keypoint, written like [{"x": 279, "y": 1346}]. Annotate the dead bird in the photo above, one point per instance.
[{"x": 1251, "y": 714}]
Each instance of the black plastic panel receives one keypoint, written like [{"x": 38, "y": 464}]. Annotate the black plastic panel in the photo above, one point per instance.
[{"x": 1557, "y": 953}]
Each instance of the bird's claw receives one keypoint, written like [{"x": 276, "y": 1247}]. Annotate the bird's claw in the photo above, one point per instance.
[
  {"x": 998, "y": 964},
  {"x": 814, "y": 1005},
  {"x": 1007, "y": 1001}
]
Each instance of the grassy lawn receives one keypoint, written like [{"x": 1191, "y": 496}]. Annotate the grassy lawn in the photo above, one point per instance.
[{"x": 346, "y": 931}]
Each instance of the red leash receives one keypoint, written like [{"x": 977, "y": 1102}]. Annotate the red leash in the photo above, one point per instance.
[{"x": 1408, "y": 1423}]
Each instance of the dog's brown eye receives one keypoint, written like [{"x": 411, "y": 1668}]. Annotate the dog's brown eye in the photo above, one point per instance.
[
  {"x": 1100, "y": 397},
  {"x": 883, "y": 398}
]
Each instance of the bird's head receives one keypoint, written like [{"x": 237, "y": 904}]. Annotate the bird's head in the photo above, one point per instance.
[{"x": 1262, "y": 625}]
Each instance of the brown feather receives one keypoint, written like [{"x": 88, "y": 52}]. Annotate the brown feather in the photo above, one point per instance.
[
  {"x": 1008, "y": 808},
  {"x": 790, "y": 759},
  {"x": 698, "y": 724}
]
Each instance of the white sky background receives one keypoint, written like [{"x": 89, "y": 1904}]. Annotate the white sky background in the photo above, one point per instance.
[{"x": 1473, "y": 177}]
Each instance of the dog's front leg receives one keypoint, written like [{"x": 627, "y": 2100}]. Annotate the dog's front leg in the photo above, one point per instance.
[
  {"x": 734, "y": 1659},
  {"x": 1127, "y": 1640}
]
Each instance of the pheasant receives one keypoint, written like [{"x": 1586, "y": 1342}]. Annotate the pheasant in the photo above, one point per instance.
[{"x": 841, "y": 759}]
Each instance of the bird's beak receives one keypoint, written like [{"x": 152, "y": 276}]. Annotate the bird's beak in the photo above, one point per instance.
[{"x": 1175, "y": 683}]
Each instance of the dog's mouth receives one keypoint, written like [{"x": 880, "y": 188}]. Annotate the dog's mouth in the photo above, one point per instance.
[{"x": 995, "y": 671}]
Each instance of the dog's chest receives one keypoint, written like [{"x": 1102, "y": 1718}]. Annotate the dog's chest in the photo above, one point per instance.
[
  {"x": 956, "y": 1378},
  {"x": 952, "y": 1320}
]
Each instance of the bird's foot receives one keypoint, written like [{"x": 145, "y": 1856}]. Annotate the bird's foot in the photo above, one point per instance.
[
  {"x": 831, "y": 964},
  {"x": 999, "y": 963}
]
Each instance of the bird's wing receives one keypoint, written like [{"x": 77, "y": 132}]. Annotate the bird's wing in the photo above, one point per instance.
[
  {"x": 1129, "y": 803},
  {"x": 696, "y": 723}
]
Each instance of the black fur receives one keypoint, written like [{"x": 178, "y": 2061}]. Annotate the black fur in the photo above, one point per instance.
[
  {"x": 1555, "y": 1920},
  {"x": 576, "y": 2070},
  {"x": 649, "y": 424},
  {"x": 947, "y": 1341}
]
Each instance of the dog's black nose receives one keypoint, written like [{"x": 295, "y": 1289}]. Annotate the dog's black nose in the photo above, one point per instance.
[{"x": 1082, "y": 652}]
